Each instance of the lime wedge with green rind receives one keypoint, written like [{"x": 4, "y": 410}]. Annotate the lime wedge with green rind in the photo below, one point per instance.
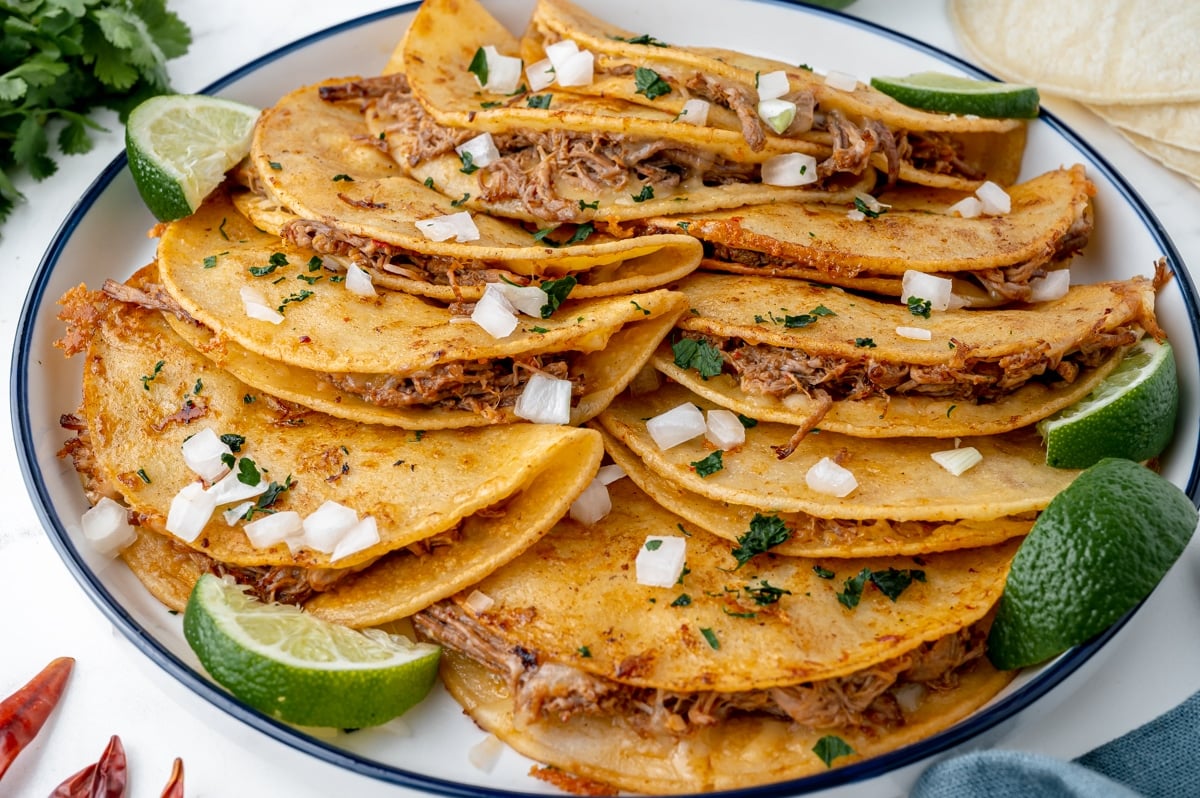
[
  {"x": 1098, "y": 550},
  {"x": 301, "y": 669},
  {"x": 954, "y": 94},
  {"x": 181, "y": 145},
  {"x": 1130, "y": 414}
]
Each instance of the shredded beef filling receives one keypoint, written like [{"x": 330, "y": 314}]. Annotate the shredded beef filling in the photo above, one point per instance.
[
  {"x": 775, "y": 371},
  {"x": 479, "y": 386},
  {"x": 543, "y": 689}
]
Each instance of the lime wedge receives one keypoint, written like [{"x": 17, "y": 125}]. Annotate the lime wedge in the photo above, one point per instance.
[
  {"x": 1097, "y": 550},
  {"x": 299, "y": 668},
  {"x": 953, "y": 94},
  {"x": 181, "y": 145},
  {"x": 1130, "y": 414}
]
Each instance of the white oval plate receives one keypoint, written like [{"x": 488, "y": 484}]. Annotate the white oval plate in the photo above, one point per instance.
[{"x": 105, "y": 236}]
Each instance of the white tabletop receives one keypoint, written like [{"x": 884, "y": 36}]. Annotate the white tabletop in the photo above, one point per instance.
[{"x": 1153, "y": 663}]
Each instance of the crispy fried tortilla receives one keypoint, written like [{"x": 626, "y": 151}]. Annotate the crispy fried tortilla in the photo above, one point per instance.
[
  {"x": 992, "y": 258},
  {"x": 803, "y": 354},
  {"x": 810, "y": 536},
  {"x": 849, "y": 129},
  {"x": 425, "y": 366},
  {"x": 318, "y": 180},
  {"x": 897, "y": 479},
  {"x": 484, "y": 495},
  {"x": 581, "y": 157},
  {"x": 581, "y": 667}
]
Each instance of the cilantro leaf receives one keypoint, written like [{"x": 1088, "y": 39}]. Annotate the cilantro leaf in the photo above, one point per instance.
[
  {"x": 709, "y": 465},
  {"x": 766, "y": 593},
  {"x": 556, "y": 293},
  {"x": 919, "y": 307},
  {"x": 479, "y": 66},
  {"x": 830, "y": 747},
  {"x": 852, "y": 589},
  {"x": 645, "y": 39},
  {"x": 765, "y": 532},
  {"x": 699, "y": 355},
  {"x": 893, "y": 581},
  {"x": 647, "y": 82}
]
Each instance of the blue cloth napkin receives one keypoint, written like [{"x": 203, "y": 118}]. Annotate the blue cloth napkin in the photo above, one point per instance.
[{"x": 1158, "y": 760}]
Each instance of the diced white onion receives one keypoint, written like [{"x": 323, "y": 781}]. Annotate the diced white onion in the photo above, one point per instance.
[
  {"x": 678, "y": 425},
  {"x": 660, "y": 564},
  {"x": 772, "y": 85},
  {"x": 256, "y": 307},
  {"x": 967, "y": 208},
  {"x": 494, "y": 313},
  {"x": 593, "y": 504},
  {"x": 106, "y": 527},
  {"x": 937, "y": 291},
  {"x": 915, "y": 333},
  {"x": 995, "y": 200},
  {"x": 1054, "y": 285},
  {"x": 545, "y": 400},
  {"x": 230, "y": 489},
  {"x": 695, "y": 112},
  {"x": 841, "y": 80},
  {"x": 909, "y": 696},
  {"x": 358, "y": 282},
  {"x": 235, "y": 513},
  {"x": 504, "y": 71},
  {"x": 486, "y": 753},
  {"x": 828, "y": 477},
  {"x": 273, "y": 528},
  {"x": 459, "y": 226},
  {"x": 956, "y": 461},
  {"x": 326, "y": 525},
  {"x": 528, "y": 299},
  {"x": 778, "y": 114},
  {"x": 609, "y": 474},
  {"x": 790, "y": 169},
  {"x": 362, "y": 535},
  {"x": 724, "y": 429},
  {"x": 855, "y": 215},
  {"x": 478, "y": 602},
  {"x": 540, "y": 74},
  {"x": 482, "y": 148},
  {"x": 559, "y": 52},
  {"x": 189, "y": 513},
  {"x": 576, "y": 70},
  {"x": 871, "y": 203},
  {"x": 202, "y": 453}
]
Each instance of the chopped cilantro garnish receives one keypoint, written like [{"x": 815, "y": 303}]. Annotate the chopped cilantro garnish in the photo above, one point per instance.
[
  {"x": 830, "y": 747},
  {"x": 198, "y": 387},
  {"x": 556, "y": 293},
  {"x": 429, "y": 182},
  {"x": 539, "y": 330},
  {"x": 699, "y": 355},
  {"x": 248, "y": 473},
  {"x": 593, "y": 205},
  {"x": 852, "y": 589},
  {"x": 479, "y": 66},
  {"x": 149, "y": 378},
  {"x": 919, "y": 307},
  {"x": 210, "y": 261},
  {"x": 247, "y": 399},
  {"x": 865, "y": 209},
  {"x": 823, "y": 573},
  {"x": 315, "y": 263},
  {"x": 311, "y": 279},
  {"x": 711, "y": 637},
  {"x": 276, "y": 165},
  {"x": 639, "y": 307},
  {"x": 894, "y": 581},
  {"x": 709, "y": 465},
  {"x": 649, "y": 83},
  {"x": 221, "y": 229},
  {"x": 299, "y": 296},
  {"x": 143, "y": 476},
  {"x": 582, "y": 233},
  {"x": 866, "y": 343},
  {"x": 234, "y": 442},
  {"x": 950, "y": 410},
  {"x": 468, "y": 162},
  {"x": 747, "y": 422},
  {"x": 683, "y": 600},
  {"x": 268, "y": 498},
  {"x": 736, "y": 614},
  {"x": 645, "y": 39},
  {"x": 343, "y": 178},
  {"x": 647, "y": 193},
  {"x": 539, "y": 101},
  {"x": 765, "y": 532},
  {"x": 584, "y": 652},
  {"x": 491, "y": 104},
  {"x": 653, "y": 545},
  {"x": 766, "y": 593},
  {"x": 683, "y": 226},
  {"x": 458, "y": 202}
]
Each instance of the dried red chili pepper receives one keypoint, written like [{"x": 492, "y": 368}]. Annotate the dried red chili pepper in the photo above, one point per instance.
[
  {"x": 174, "y": 788},
  {"x": 24, "y": 712},
  {"x": 103, "y": 779}
]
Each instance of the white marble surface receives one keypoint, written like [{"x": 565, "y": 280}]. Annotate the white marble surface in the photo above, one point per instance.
[{"x": 115, "y": 689}]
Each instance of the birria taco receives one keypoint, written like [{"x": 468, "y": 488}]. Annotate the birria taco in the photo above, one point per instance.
[
  {"x": 273, "y": 314},
  {"x": 318, "y": 180},
  {"x": 729, "y": 678},
  {"x": 557, "y": 155},
  {"x": 415, "y": 516},
  {"x": 804, "y": 354},
  {"x": 992, "y": 259},
  {"x": 848, "y": 126}
]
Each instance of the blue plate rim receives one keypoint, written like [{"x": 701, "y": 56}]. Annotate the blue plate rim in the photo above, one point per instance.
[{"x": 982, "y": 721}]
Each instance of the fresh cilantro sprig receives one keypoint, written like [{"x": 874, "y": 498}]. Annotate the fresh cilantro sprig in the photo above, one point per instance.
[{"x": 62, "y": 59}]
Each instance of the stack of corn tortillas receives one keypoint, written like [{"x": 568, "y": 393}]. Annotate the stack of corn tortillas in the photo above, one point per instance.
[{"x": 1129, "y": 61}]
